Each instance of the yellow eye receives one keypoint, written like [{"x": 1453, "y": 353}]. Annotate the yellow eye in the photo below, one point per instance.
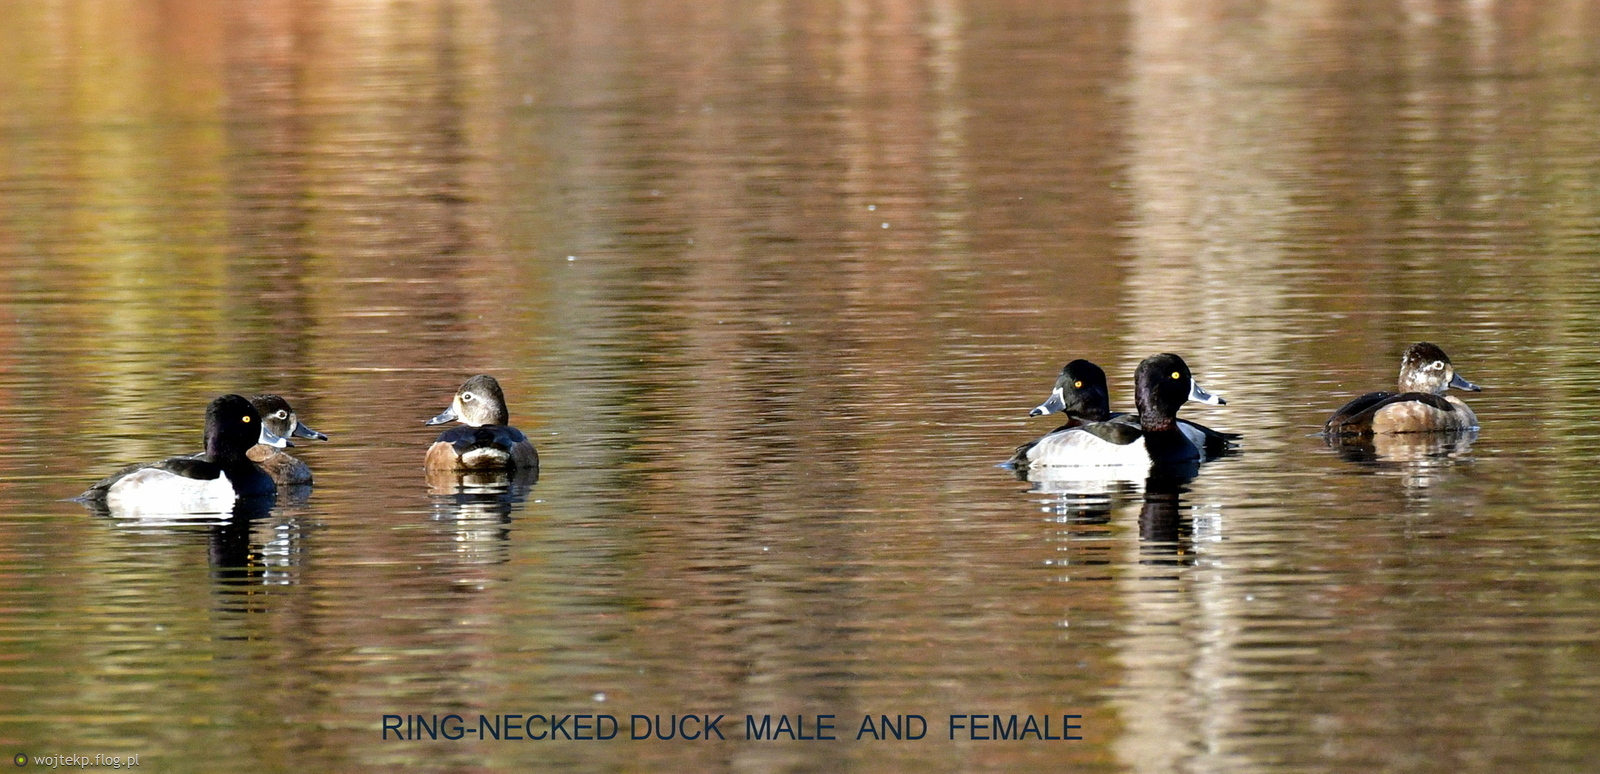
[
  {"x": 1177, "y": 375},
  {"x": 244, "y": 419},
  {"x": 1077, "y": 385}
]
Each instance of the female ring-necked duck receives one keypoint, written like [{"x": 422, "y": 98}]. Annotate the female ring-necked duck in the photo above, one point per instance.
[
  {"x": 279, "y": 417},
  {"x": 1081, "y": 393},
  {"x": 488, "y": 441},
  {"x": 1162, "y": 384},
  {"x": 1419, "y": 407},
  {"x": 204, "y": 483}
]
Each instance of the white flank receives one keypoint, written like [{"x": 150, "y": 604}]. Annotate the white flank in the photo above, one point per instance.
[
  {"x": 1077, "y": 447},
  {"x": 156, "y": 491}
]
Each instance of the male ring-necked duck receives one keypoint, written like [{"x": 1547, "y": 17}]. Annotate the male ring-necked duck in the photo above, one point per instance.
[
  {"x": 279, "y": 417},
  {"x": 1419, "y": 407},
  {"x": 488, "y": 441},
  {"x": 1162, "y": 384},
  {"x": 204, "y": 483},
  {"x": 1081, "y": 393}
]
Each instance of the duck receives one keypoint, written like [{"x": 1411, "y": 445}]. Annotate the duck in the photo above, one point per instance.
[
  {"x": 279, "y": 417},
  {"x": 1420, "y": 406},
  {"x": 1155, "y": 436},
  {"x": 209, "y": 482},
  {"x": 487, "y": 441},
  {"x": 1082, "y": 395}
]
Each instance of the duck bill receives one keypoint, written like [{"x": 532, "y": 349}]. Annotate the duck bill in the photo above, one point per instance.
[
  {"x": 1198, "y": 394},
  {"x": 1052, "y": 405},
  {"x": 1462, "y": 384},
  {"x": 269, "y": 438},
  {"x": 449, "y": 415},
  {"x": 301, "y": 431}
]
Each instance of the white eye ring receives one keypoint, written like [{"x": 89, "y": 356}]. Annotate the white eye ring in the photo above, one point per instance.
[
  {"x": 282, "y": 414},
  {"x": 1437, "y": 365},
  {"x": 466, "y": 397}
]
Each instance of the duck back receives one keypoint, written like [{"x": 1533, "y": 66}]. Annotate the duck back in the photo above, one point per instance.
[{"x": 487, "y": 447}]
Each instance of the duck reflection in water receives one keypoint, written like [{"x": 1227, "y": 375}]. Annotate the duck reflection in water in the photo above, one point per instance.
[
  {"x": 477, "y": 507},
  {"x": 1165, "y": 535},
  {"x": 1420, "y": 459},
  {"x": 257, "y": 546},
  {"x": 1166, "y": 526},
  {"x": 1410, "y": 447},
  {"x": 498, "y": 483}
]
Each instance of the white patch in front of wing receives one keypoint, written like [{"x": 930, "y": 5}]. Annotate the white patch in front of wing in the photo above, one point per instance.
[
  {"x": 1078, "y": 447},
  {"x": 156, "y": 491}
]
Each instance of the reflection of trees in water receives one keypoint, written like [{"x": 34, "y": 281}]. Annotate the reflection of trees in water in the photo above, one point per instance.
[
  {"x": 1141, "y": 537},
  {"x": 1156, "y": 646}
]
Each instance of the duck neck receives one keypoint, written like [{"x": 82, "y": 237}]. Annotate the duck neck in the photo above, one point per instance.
[
  {"x": 1162, "y": 438},
  {"x": 1414, "y": 382},
  {"x": 223, "y": 454},
  {"x": 1098, "y": 406},
  {"x": 1152, "y": 416},
  {"x": 1091, "y": 414},
  {"x": 487, "y": 416},
  {"x": 1168, "y": 445}
]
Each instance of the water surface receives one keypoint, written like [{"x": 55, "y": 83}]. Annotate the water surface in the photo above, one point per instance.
[{"x": 773, "y": 287}]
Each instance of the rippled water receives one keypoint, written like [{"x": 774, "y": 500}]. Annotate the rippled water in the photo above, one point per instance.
[{"x": 773, "y": 287}]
